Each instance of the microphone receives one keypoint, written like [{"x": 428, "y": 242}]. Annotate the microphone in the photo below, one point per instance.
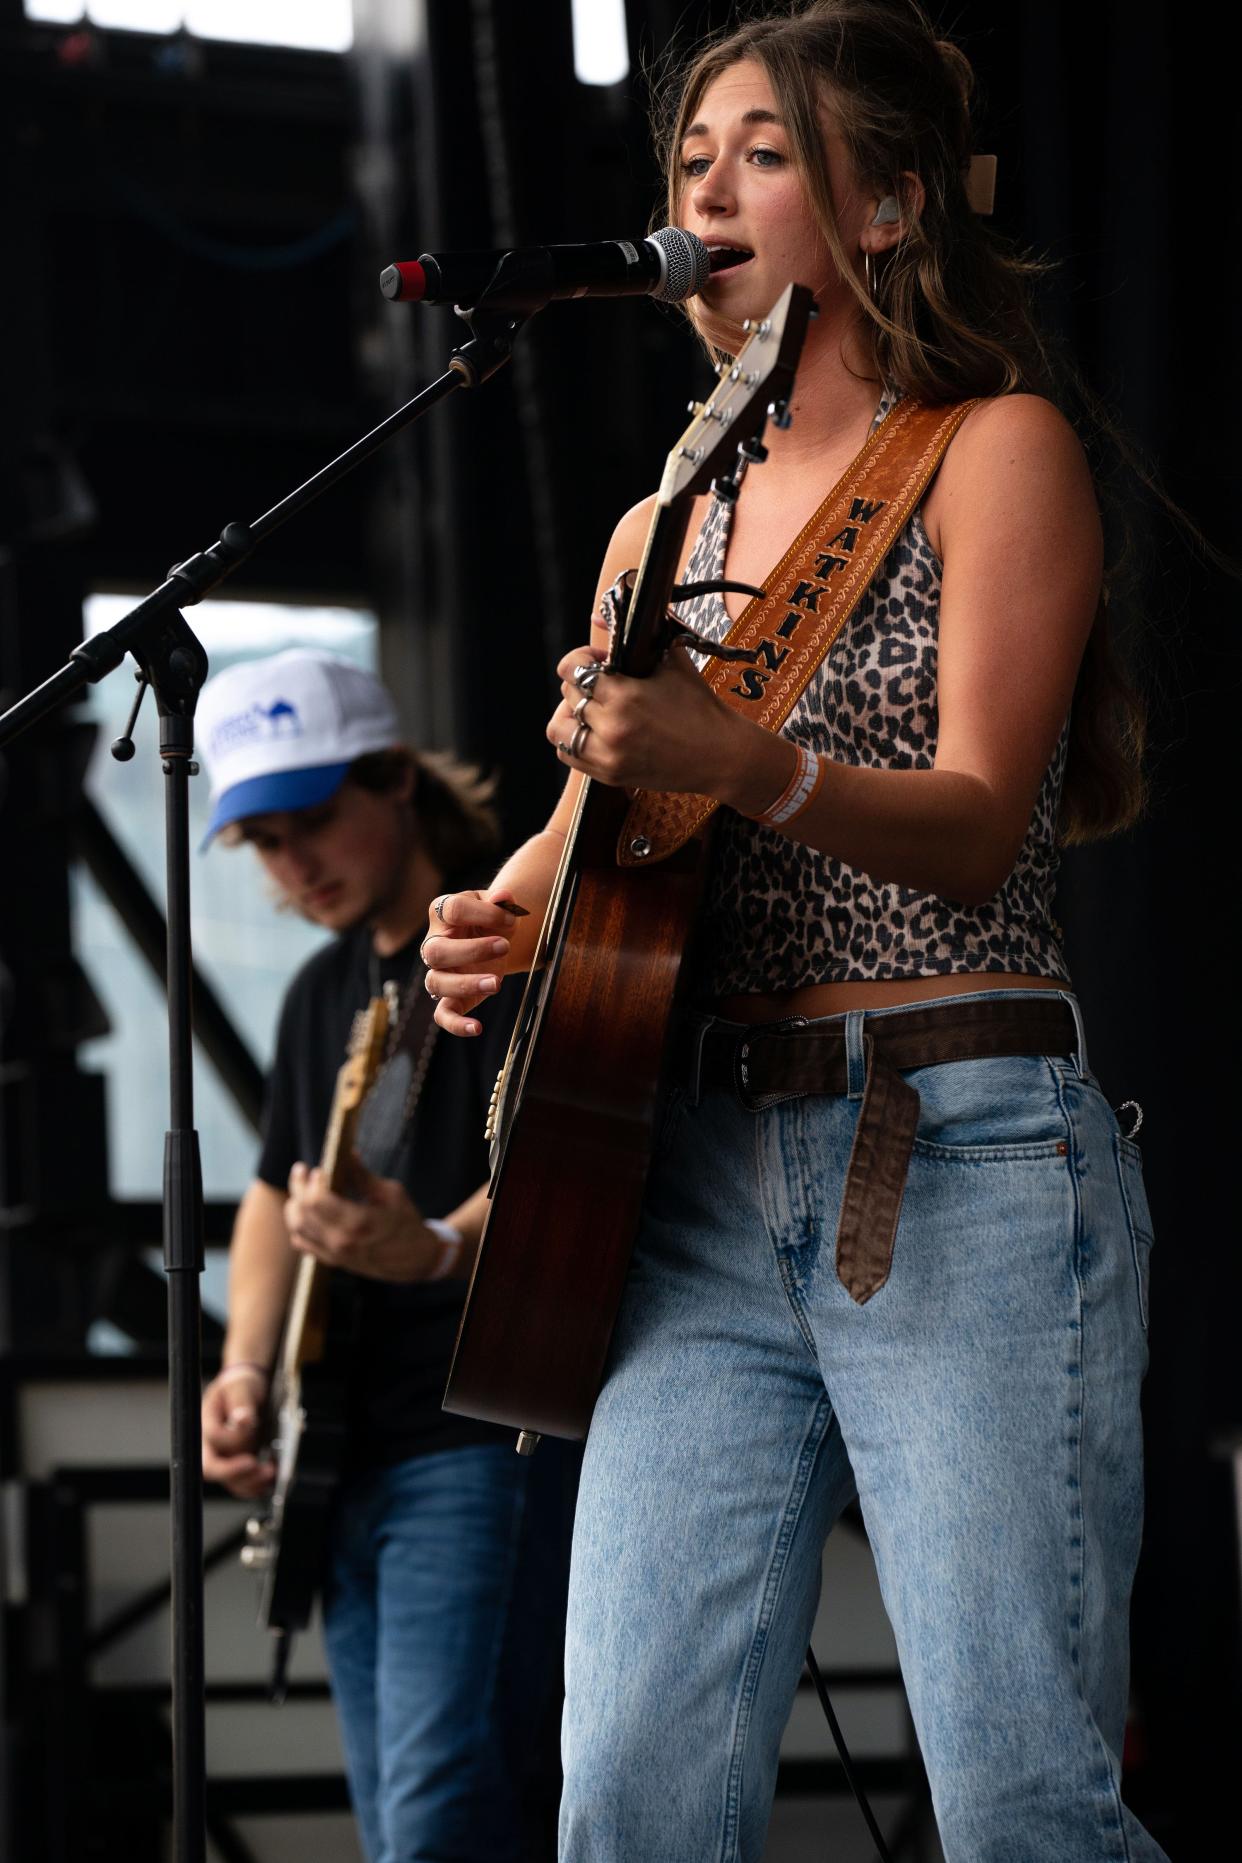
[{"x": 671, "y": 265}]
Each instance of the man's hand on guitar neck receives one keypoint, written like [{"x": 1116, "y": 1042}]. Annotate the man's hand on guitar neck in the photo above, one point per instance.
[{"x": 380, "y": 1233}]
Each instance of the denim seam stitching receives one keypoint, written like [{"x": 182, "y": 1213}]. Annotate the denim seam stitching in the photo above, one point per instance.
[
  {"x": 1038, "y": 1151},
  {"x": 783, "y": 1267},
  {"x": 1139, "y": 1238},
  {"x": 816, "y": 1432},
  {"x": 1110, "y": 1785}
]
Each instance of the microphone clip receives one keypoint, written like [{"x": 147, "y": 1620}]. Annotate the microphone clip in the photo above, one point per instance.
[
  {"x": 521, "y": 284},
  {"x": 492, "y": 336}
]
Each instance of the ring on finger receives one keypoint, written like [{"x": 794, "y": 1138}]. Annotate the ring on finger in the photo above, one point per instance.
[
  {"x": 585, "y": 675},
  {"x": 438, "y": 908},
  {"x": 578, "y": 741},
  {"x": 433, "y": 994},
  {"x": 579, "y": 711}
]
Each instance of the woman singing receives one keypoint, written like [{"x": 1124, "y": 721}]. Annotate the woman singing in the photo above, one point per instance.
[{"x": 951, "y": 1325}]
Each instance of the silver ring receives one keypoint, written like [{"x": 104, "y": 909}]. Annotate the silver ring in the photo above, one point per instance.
[
  {"x": 433, "y": 994},
  {"x": 438, "y": 908},
  {"x": 422, "y": 949},
  {"x": 579, "y": 710},
  {"x": 577, "y": 741},
  {"x": 585, "y": 675}
]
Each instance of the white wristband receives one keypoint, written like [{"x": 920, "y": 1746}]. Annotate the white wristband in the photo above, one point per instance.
[
  {"x": 801, "y": 790},
  {"x": 452, "y": 1242}
]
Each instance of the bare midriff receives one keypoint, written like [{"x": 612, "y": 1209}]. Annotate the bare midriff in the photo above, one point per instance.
[{"x": 836, "y": 999}]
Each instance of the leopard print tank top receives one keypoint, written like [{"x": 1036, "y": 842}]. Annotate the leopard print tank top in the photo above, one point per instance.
[{"x": 779, "y": 915}]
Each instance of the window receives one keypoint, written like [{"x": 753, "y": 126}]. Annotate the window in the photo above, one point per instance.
[
  {"x": 244, "y": 946},
  {"x": 310, "y": 25},
  {"x": 601, "y": 54}
]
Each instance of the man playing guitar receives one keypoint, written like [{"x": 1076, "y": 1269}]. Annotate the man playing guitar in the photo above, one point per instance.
[{"x": 443, "y": 1585}]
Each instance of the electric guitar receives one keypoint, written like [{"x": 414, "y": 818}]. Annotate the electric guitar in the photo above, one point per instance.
[
  {"x": 286, "y": 1544},
  {"x": 570, "y": 1124}
]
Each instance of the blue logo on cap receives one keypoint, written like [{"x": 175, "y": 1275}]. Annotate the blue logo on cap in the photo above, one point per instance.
[
  {"x": 282, "y": 717},
  {"x": 278, "y": 720}
]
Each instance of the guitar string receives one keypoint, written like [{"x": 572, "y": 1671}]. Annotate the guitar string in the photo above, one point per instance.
[{"x": 406, "y": 1001}]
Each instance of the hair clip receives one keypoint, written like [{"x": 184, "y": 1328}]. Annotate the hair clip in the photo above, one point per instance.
[{"x": 981, "y": 183}]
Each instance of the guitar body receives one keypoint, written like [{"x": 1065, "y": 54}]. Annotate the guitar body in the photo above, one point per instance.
[
  {"x": 572, "y": 1166},
  {"x": 287, "y": 1543},
  {"x": 309, "y": 1450}
]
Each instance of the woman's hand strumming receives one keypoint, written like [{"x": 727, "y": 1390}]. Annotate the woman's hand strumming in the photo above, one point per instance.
[{"x": 465, "y": 949}]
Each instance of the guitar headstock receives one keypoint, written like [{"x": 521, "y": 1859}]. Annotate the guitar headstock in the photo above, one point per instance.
[
  {"x": 364, "y": 1055},
  {"x": 760, "y": 376},
  {"x": 759, "y": 381}
]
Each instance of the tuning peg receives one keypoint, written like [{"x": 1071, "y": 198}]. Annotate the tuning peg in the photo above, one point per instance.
[
  {"x": 695, "y": 407},
  {"x": 780, "y": 416},
  {"x": 754, "y": 449}
]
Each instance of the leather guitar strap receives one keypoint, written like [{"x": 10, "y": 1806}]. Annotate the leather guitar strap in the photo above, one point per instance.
[{"x": 810, "y": 596}]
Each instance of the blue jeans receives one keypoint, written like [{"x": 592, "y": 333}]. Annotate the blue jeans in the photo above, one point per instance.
[
  {"x": 983, "y": 1405},
  {"x": 443, "y": 1615}
]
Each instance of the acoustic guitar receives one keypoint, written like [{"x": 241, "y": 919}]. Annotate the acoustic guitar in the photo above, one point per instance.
[
  {"x": 571, "y": 1117},
  {"x": 286, "y": 1545}
]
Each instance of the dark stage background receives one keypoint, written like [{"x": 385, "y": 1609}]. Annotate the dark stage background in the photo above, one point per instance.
[{"x": 191, "y": 325}]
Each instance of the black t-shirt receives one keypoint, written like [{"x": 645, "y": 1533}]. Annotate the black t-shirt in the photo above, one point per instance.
[{"x": 407, "y": 1332}]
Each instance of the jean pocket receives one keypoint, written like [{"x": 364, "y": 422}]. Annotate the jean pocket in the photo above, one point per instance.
[
  {"x": 991, "y": 1110},
  {"x": 1138, "y": 1215}
]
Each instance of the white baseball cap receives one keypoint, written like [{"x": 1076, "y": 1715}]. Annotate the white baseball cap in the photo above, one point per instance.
[{"x": 280, "y": 733}]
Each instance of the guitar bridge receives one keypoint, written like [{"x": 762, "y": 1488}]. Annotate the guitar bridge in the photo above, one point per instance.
[{"x": 493, "y": 1107}]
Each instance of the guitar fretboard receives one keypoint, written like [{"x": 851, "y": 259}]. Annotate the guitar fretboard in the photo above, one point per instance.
[{"x": 304, "y": 1329}]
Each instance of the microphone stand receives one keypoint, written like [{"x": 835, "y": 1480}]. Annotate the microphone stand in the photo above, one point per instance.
[{"x": 171, "y": 660}]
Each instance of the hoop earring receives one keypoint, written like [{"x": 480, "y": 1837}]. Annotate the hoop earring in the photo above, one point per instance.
[{"x": 869, "y": 275}]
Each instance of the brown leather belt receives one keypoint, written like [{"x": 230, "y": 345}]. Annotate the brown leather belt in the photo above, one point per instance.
[{"x": 776, "y": 1061}]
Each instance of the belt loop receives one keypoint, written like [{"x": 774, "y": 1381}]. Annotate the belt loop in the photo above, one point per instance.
[
  {"x": 694, "y": 1071},
  {"x": 855, "y": 1054},
  {"x": 1080, "y": 1057}
]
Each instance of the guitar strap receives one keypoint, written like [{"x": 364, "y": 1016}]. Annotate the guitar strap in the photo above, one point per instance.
[{"x": 808, "y": 599}]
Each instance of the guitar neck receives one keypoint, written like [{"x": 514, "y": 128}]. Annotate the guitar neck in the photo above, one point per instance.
[
  {"x": 636, "y": 649},
  {"x": 305, "y": 1329},
  {"x": 640, "y": 642}
]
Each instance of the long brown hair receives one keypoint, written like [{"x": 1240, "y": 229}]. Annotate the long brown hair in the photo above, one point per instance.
[
  {"x": 950, "y": 317},
  {"x": 452, "y": 803}
]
